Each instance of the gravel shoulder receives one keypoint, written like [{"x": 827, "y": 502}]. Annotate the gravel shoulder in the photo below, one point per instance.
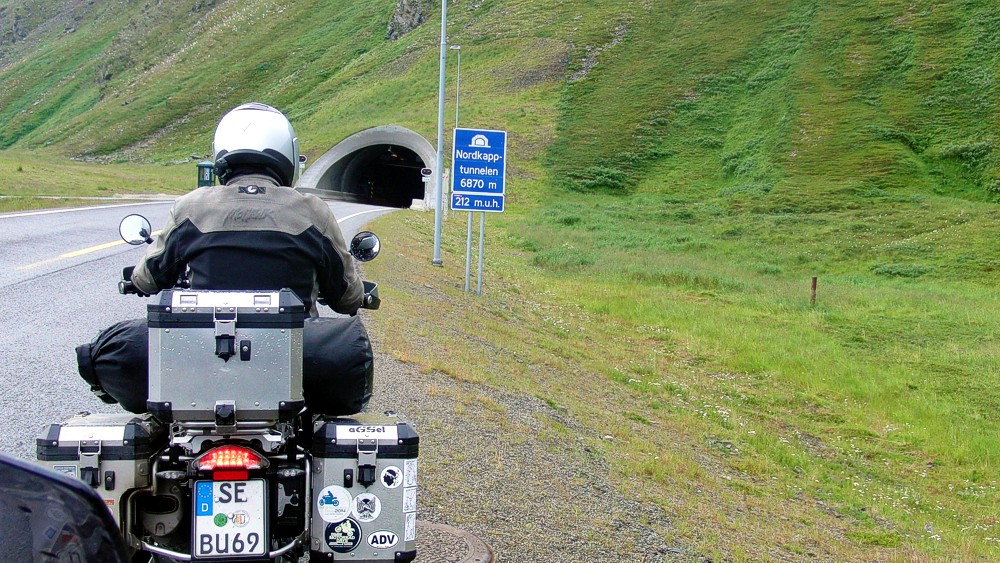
[{"x": 516, "y": 473}]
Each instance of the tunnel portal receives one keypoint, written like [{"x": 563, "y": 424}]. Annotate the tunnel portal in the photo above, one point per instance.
[{"x": 380, "y": 166}]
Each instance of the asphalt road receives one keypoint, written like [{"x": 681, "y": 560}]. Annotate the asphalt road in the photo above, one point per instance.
[{"x": 59, "y": 271}]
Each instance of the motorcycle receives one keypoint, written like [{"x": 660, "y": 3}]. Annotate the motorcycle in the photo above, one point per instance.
[{"x": 230, "y": 463}]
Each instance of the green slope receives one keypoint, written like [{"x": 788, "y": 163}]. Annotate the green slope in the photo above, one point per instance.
[{"x": 860, "y": 97}]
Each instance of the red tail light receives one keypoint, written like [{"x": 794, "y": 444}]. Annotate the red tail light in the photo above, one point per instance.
[{"x": 230, "y": 458}]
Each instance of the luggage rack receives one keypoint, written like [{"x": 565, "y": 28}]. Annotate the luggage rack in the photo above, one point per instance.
[{"x": 192, "y": 435}]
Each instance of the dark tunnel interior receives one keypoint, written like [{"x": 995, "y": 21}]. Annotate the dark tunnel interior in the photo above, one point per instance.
[{"x": 380, "y": 174}]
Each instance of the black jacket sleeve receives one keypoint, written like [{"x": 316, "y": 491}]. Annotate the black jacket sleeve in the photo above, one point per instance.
[{"x": 163, "y": 261}]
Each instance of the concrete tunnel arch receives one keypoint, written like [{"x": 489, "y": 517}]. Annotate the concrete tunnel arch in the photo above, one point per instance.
[{"x": 379, "y": 166}]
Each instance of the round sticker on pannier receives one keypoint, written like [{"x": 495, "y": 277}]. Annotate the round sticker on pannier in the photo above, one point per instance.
[
  {"x": 367, "y": 507},
  {"x": 343, "y": 537},
  {"x": 392, "y": 477},
  {"x": 334, "y": 503}
]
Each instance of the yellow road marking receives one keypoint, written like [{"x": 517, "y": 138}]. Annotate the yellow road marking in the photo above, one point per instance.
[
  {"x": 76, "y": 253},
  {"x": 83, "y": 251}
]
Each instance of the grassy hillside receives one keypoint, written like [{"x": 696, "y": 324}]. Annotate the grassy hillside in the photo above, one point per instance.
[
  {"x": 861, "y": 97},
  {"x": 680, "y": 171}
]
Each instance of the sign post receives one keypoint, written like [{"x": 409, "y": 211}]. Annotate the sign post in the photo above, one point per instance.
[{"x": 479, "y": 168}]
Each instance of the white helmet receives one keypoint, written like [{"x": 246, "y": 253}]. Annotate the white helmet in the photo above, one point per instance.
[{"x": 256, "y": 135}]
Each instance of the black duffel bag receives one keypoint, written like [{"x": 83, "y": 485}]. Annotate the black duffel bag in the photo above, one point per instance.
[
  {"x": 337, "y": 365},
  {"x": 116, "y": 364}
]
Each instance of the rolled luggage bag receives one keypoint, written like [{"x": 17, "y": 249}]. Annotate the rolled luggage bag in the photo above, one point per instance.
[
  {"x": 338, "y": 369},
  {"x": 116, "y": 364}
]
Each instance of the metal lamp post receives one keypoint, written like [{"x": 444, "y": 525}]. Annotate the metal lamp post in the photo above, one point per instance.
[
  {"x": 438, "y": 172},
  {"x": 458, "y": 84},
  {"x": 458, "y": 80}
]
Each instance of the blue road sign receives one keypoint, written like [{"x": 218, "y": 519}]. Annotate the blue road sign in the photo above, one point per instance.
[
  {"x": 477, "y": 202},
  {"x": 479, "y": 163}
]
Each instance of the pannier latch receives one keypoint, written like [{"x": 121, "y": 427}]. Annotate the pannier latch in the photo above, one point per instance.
[
  {"x": 90, "y": 462},
  {"x": 367, "y": 461},
  {"x": 225, "y": 413},
  {"x": 225, "y": 335}
]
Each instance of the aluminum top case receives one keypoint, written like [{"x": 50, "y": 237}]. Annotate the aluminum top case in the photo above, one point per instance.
[{"x": 225, "y": 356}]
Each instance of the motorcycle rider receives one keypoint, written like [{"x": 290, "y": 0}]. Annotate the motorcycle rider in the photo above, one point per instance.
[{"x": 254, "y": 231}]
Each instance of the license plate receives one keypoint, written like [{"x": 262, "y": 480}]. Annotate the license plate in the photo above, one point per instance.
[{"x": 230, "y": 519}]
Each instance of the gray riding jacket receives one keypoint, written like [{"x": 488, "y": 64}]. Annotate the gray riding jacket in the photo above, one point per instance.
[{"x": 253, "y": 234}]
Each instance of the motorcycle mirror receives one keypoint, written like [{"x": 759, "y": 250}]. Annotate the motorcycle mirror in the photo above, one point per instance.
[
  {"x": 135, "y": 230},
  {"x": 48, "y": 513},
  {"x": 365, "y": 246}
]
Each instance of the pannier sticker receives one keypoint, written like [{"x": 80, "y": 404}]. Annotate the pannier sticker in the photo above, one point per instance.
[
  {"x": 65, "y": 469},
  {"x": 361, "y": 432},
  {"x": 410, "y": 528},
  {"x": 334, "y": 503},
  {"x": 367, "y": 507},
  {"x": 392, "y": 477},
  {"x": 383, "y": 539},
  {"x": 410, "y": 499},
  {"x": 92, "y": 433},
  {"x": 410, "y": 473},
  {"x": 343, "y": 537}
]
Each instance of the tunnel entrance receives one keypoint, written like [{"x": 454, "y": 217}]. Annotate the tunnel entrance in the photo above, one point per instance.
[
  {"x": 379, "y": 166},
  {"x": 382, "y": 175}
]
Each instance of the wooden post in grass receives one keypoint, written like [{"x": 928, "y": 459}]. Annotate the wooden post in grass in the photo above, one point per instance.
[{"x": 812, "y": 294}]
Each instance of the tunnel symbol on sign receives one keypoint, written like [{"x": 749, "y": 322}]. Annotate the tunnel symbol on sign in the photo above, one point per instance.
[{"x": 480, "y": 141}]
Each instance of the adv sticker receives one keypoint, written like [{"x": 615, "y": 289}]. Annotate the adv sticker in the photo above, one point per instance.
[
  {"x": 367, "y": 507},
  {"x": 334, "y": 503},
  {"x": 344, "y": 536},
  {"x": 383, "y": 540},
  {"x": 392, "y": 477}
]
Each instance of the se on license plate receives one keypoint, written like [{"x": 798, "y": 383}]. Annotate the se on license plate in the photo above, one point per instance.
[{"x": 229, "y": 518}]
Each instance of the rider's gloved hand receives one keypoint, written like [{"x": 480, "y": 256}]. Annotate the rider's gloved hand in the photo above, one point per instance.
[{"x": 126, "y": 287}]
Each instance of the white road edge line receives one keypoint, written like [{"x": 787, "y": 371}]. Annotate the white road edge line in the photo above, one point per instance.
[
  {"x": 353, "y": 215},
  {"x": 72, "y": 209}
]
